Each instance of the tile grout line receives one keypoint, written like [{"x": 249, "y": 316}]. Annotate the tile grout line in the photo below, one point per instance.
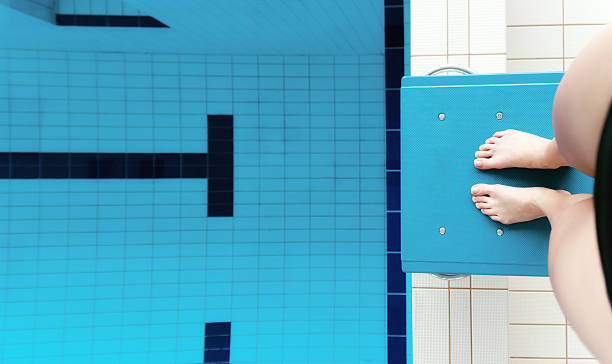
[
  {"x": 553, "y": 25},
  {"x": 471, "y": 326},
  {"x": 459, "y": 54},
  {"x": 537, "y": 357},
  {"x": 449, "y": 322},
  {"x": 566, "y": 360},
  {"x": 447, "y": 37},
  {"x": 563, "y": 30},
  {"x": 553, "y": 358},
  {"x": 536, "y": 58},
  {"x": 468, "y": 35},
  {"x": 534, "y": 324},
  {"x": 464, "y": 288}
]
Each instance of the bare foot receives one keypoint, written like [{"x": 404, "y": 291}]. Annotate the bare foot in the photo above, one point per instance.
[
  {"x": 510, "y": 205},
  {"x": 512, "y": 148}
]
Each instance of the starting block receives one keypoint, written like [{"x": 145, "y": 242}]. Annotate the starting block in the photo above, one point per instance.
[{"x": 444, "y": 119}]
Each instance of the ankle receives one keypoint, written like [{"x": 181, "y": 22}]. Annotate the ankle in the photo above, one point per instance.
[
  {"x": 550, "y": 202},
  {"x": 553, "y": 155}
]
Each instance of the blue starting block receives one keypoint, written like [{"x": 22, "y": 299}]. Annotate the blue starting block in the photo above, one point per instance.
[{"x": 444, "y": 119}]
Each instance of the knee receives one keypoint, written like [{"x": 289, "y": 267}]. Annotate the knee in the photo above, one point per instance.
[
  {"x": 578, "y": 116},
  {"x": 561, "y": 120}
]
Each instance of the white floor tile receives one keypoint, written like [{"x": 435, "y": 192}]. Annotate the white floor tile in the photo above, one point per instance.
[
  {"x": 575, "y": 347},
  {"x": 487, "y": 26},
  {"x": 460, "y": 330},
  {"x": 537, "y": 361},
  {"x": 536, "y": 341},
  {"x": 588, "y": 12},
  {"x": 421, "y": 65},
  {"x": 428, "y": 27},
  {"x": 489, "y": 326},
  {"x": 488, "y": 63},
  {"x": 535, "y": 42},
  {"x": 534, "y": 65},
  {"x": 426, "y": 279},
  {"x": 529, "y": 283},
  {"x": 583, "y": 361},
  {"x": 458, "y": 26},
  {"x": 459, "y": 60},
  {"x": 576, "y": 37},
  {"x": 489, "y": 281},
  {"x": 430, "y": 326},
  {"x": 530, "y": 12},
  {"x": 460, "y": 283},
  {"x": 534, "y": 308}
]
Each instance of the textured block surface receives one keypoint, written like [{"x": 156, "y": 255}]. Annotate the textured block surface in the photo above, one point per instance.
[{"x": 438, "y": 172}]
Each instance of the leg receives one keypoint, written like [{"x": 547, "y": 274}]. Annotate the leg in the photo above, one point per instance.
[
  {"x": 582, "y": 102},
  {"x": 576, "y": 275},
  {"x": 574, "y": 264},
  {"x": 579, "y": 112}
]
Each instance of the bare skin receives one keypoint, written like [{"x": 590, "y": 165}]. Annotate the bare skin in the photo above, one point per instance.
[
  {"x": 516, "y": 149},
  {"x": 510, "y": 205},
  {"x": 513, "y": 148},
  {"x": 581, "y": 104},
  {"x": 574, "y": 265}
]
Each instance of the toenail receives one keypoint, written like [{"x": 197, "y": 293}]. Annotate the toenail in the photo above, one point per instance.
[{"x": 478, "y": 163}]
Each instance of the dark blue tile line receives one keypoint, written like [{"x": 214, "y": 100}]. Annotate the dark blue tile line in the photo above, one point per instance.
[
  {"x": 393, "y": 150},
  {"x": 221, "y": 165},
  {"x": 102, "y": 165},
  {"x": 394, "y": 66},
  {"x": 397, "y": 335},
  {"x": 218, "y": 328},
  {"x": 217, "y": 165},
  {"x": 393, "y": 191},
  {"x": 396, "y": 349},
  {"x": 392, "y": 109},
  {"x": 396, "y": 320},
  {"x": 137, "y": 21},
  {"x": 396, "y": 279},
  {"x": 394, "y": 26},
  {"x": 217, "y": 342},
  {"x": 393, "y": 232}
]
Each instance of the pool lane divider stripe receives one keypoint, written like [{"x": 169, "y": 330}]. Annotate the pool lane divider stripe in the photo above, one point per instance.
[
  {"x": 217, "y": 165},
  {"x": 398, "y": 337},
  {"x": 217, "y": 337},
  {"x": 85, "y": 20}
]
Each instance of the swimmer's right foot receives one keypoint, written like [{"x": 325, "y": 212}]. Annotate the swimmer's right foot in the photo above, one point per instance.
[{"x": 516, "y": 149}]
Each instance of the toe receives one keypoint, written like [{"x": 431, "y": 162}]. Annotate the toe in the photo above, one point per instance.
[
  {"x": 480, "y": 189},
  {"x": 485, "y": 163},
  {"x": 492, "y": 140},
  {"x": 483, "y": 154},
  {"x": 482, "y": 205},
  {"x": 501, "y": 133},
  {"x": 495, "y": 218},
  {"x": 487, "y": 211},
  {"x": 477, "y": 199},
  {"x": 485, "y": 147}
]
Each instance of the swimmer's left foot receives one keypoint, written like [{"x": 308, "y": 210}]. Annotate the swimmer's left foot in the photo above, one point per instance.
[{"x": 510, "y": 205}]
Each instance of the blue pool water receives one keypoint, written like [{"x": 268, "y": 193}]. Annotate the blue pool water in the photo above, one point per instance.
[{"x": 131, "y": 270}]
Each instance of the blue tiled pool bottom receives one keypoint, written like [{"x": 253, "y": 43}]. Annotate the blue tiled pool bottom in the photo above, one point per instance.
[{"x": 131, "y": 270}]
